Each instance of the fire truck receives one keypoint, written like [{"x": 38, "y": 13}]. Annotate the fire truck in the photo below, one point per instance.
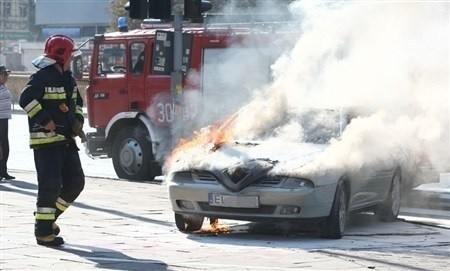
[{"x": 130, "y": 98}]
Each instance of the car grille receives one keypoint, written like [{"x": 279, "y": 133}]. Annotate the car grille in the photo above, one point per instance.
[
  {"x": 272, "y": 182},
  {"x": 204, "y": 176},
  {"x": 208, "y": 177},
  {"x": 237, "y": 174},
  {"x": 263, "y": 209}
]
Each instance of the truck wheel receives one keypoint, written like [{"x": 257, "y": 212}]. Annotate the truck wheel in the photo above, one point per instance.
[
  {"x": 132, "y": 154},
  {"x": 189, "y": 223}
]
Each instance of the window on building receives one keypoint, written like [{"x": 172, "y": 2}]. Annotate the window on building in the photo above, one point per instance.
[
  {"x": 6, "y": 9},
  {"x": 23, "y": 10}
]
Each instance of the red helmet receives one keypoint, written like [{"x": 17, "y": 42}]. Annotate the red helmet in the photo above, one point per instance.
[{"x": 59, "y": 48}]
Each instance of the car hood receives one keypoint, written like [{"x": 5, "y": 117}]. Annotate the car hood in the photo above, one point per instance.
[{"x": 272, "y": 155}]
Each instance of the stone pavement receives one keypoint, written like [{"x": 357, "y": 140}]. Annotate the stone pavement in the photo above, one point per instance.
[{"x": 123, "y": 225}]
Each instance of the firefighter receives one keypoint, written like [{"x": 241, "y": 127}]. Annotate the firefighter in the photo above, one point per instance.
[{"x": 53, "y": 104}]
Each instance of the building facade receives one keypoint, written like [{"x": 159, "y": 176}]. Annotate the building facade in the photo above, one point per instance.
[
  {"x": 76, "y": 18},
  {"x": 15, "y": 19},
  {"x": 35, "y": 20},
  {"x": 26, "y": 24}
]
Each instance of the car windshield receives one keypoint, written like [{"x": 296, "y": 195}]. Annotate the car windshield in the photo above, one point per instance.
[{"x": 311, "y": 126}]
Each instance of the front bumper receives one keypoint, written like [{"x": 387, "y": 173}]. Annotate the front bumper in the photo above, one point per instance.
[{"x": 274, "y": 203}]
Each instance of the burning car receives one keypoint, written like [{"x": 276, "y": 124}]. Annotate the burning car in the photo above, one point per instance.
[{"x": 273, "y": 179}]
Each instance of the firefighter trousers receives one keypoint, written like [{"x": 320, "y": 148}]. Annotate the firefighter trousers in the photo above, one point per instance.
[{"x": 60, "y": 181}]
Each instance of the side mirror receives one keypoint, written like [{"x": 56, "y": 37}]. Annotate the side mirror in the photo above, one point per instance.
[{"x": 77, "y": 67}]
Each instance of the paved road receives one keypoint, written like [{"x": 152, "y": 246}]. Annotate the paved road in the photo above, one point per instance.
[{"x": 122, "y": 225}]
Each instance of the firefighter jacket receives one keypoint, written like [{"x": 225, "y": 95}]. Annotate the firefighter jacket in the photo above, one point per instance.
[{"x": 50, "y": 95}]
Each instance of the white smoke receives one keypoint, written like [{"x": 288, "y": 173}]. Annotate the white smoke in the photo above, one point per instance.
[{"x": 388, "y": 60}]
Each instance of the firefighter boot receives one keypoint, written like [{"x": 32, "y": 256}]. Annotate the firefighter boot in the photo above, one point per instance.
[
  {"x": 49, "y": 240},
  {"x": 43, "y": 231},
  {"x": 55, "y": 227}
]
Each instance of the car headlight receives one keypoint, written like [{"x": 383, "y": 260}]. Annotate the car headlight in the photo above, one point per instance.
[
  {"x": 295, "y": 183},
  {"x": 181, "y": 177}
]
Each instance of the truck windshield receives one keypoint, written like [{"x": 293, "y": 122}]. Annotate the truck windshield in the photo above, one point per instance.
[{"x": 111, "y": 59}]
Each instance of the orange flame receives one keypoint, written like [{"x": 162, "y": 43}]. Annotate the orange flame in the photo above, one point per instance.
[
  {"x": 217, "y": 135},
  {"x": 215, "y": 227}
]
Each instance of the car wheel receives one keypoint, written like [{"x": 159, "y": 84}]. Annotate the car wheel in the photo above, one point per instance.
[
  {"x": 132, "y": 154},
  {"x": 334, "y": 226},
  {"x": 188, "y": 223},
  {"x": 388, "y": 211}
]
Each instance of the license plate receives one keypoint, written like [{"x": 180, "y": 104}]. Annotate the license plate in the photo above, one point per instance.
[{"x": 233, "y": 201}]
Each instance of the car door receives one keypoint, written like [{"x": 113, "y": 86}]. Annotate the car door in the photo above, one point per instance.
[{"x": 364, "y": 189}]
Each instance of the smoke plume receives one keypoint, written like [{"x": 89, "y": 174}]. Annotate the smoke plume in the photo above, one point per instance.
[{"x": 387, "y": 61}]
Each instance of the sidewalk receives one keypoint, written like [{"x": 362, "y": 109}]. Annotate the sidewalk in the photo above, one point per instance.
[
  {"x": 102, "y": 229},
  {"x": 123, "y": 225}
]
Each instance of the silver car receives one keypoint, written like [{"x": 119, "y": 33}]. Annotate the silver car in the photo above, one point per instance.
[{"x": 268, "y": 181}]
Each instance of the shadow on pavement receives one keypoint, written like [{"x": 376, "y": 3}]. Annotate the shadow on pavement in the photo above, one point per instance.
[
  {"x": 23, "y": 186},
  {"x": 112, "y": 259}
]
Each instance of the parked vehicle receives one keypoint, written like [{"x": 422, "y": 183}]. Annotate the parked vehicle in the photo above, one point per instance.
[{"x": 267, "y": 181}]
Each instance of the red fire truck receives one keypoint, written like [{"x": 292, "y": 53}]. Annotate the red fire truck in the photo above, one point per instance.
[{"x": 130, "y": 99}]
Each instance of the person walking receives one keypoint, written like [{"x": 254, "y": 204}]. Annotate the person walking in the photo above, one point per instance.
[
  {"x": 53, "y": 104},
  {"x": 5, "y": 115}
]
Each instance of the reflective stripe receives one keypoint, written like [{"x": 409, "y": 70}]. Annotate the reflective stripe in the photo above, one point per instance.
[
  {"x": 60, "y": 207},
  {"x": 54, "y": 96},
  {"x": 75, "y": 94},
  {"x": 55, "y": 90},
  {"x": 54, "y": 93},
  {"x": 46, "y": 210},
  {"x": 33, "y": 108},
  {"x": 45, "y": 213},
  {"x": 38, "y": 141},
  {"x": 79, "y": 111},
  {"x": 42, "y": 134},
  {"x": 61, "y": 204},
  {"x": 40, "y": 216}
]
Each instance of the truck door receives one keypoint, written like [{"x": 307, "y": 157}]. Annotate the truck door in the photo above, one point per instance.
[
  {"x": 108, "y": 88},
  {"x": 137, "y": 71}
]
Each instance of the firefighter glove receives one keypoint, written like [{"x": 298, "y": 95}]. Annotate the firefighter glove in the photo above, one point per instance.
[{"x": 77, "y": 130}]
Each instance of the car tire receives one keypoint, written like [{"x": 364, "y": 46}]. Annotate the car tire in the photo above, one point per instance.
[
  {"x": 334, "y": 226},
  {"x": 189, "y": 223},
  {"x": 389, "y": 209},
  {"x": 132, "y": 154}
]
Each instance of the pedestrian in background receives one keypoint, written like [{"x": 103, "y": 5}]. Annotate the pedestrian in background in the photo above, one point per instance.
[
  {"x": 5, "y": 115},
  {"x": 53, "y": 104}
]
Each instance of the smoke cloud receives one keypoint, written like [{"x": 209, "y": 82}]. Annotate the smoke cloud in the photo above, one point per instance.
[{"x": 387, "y": 61}]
